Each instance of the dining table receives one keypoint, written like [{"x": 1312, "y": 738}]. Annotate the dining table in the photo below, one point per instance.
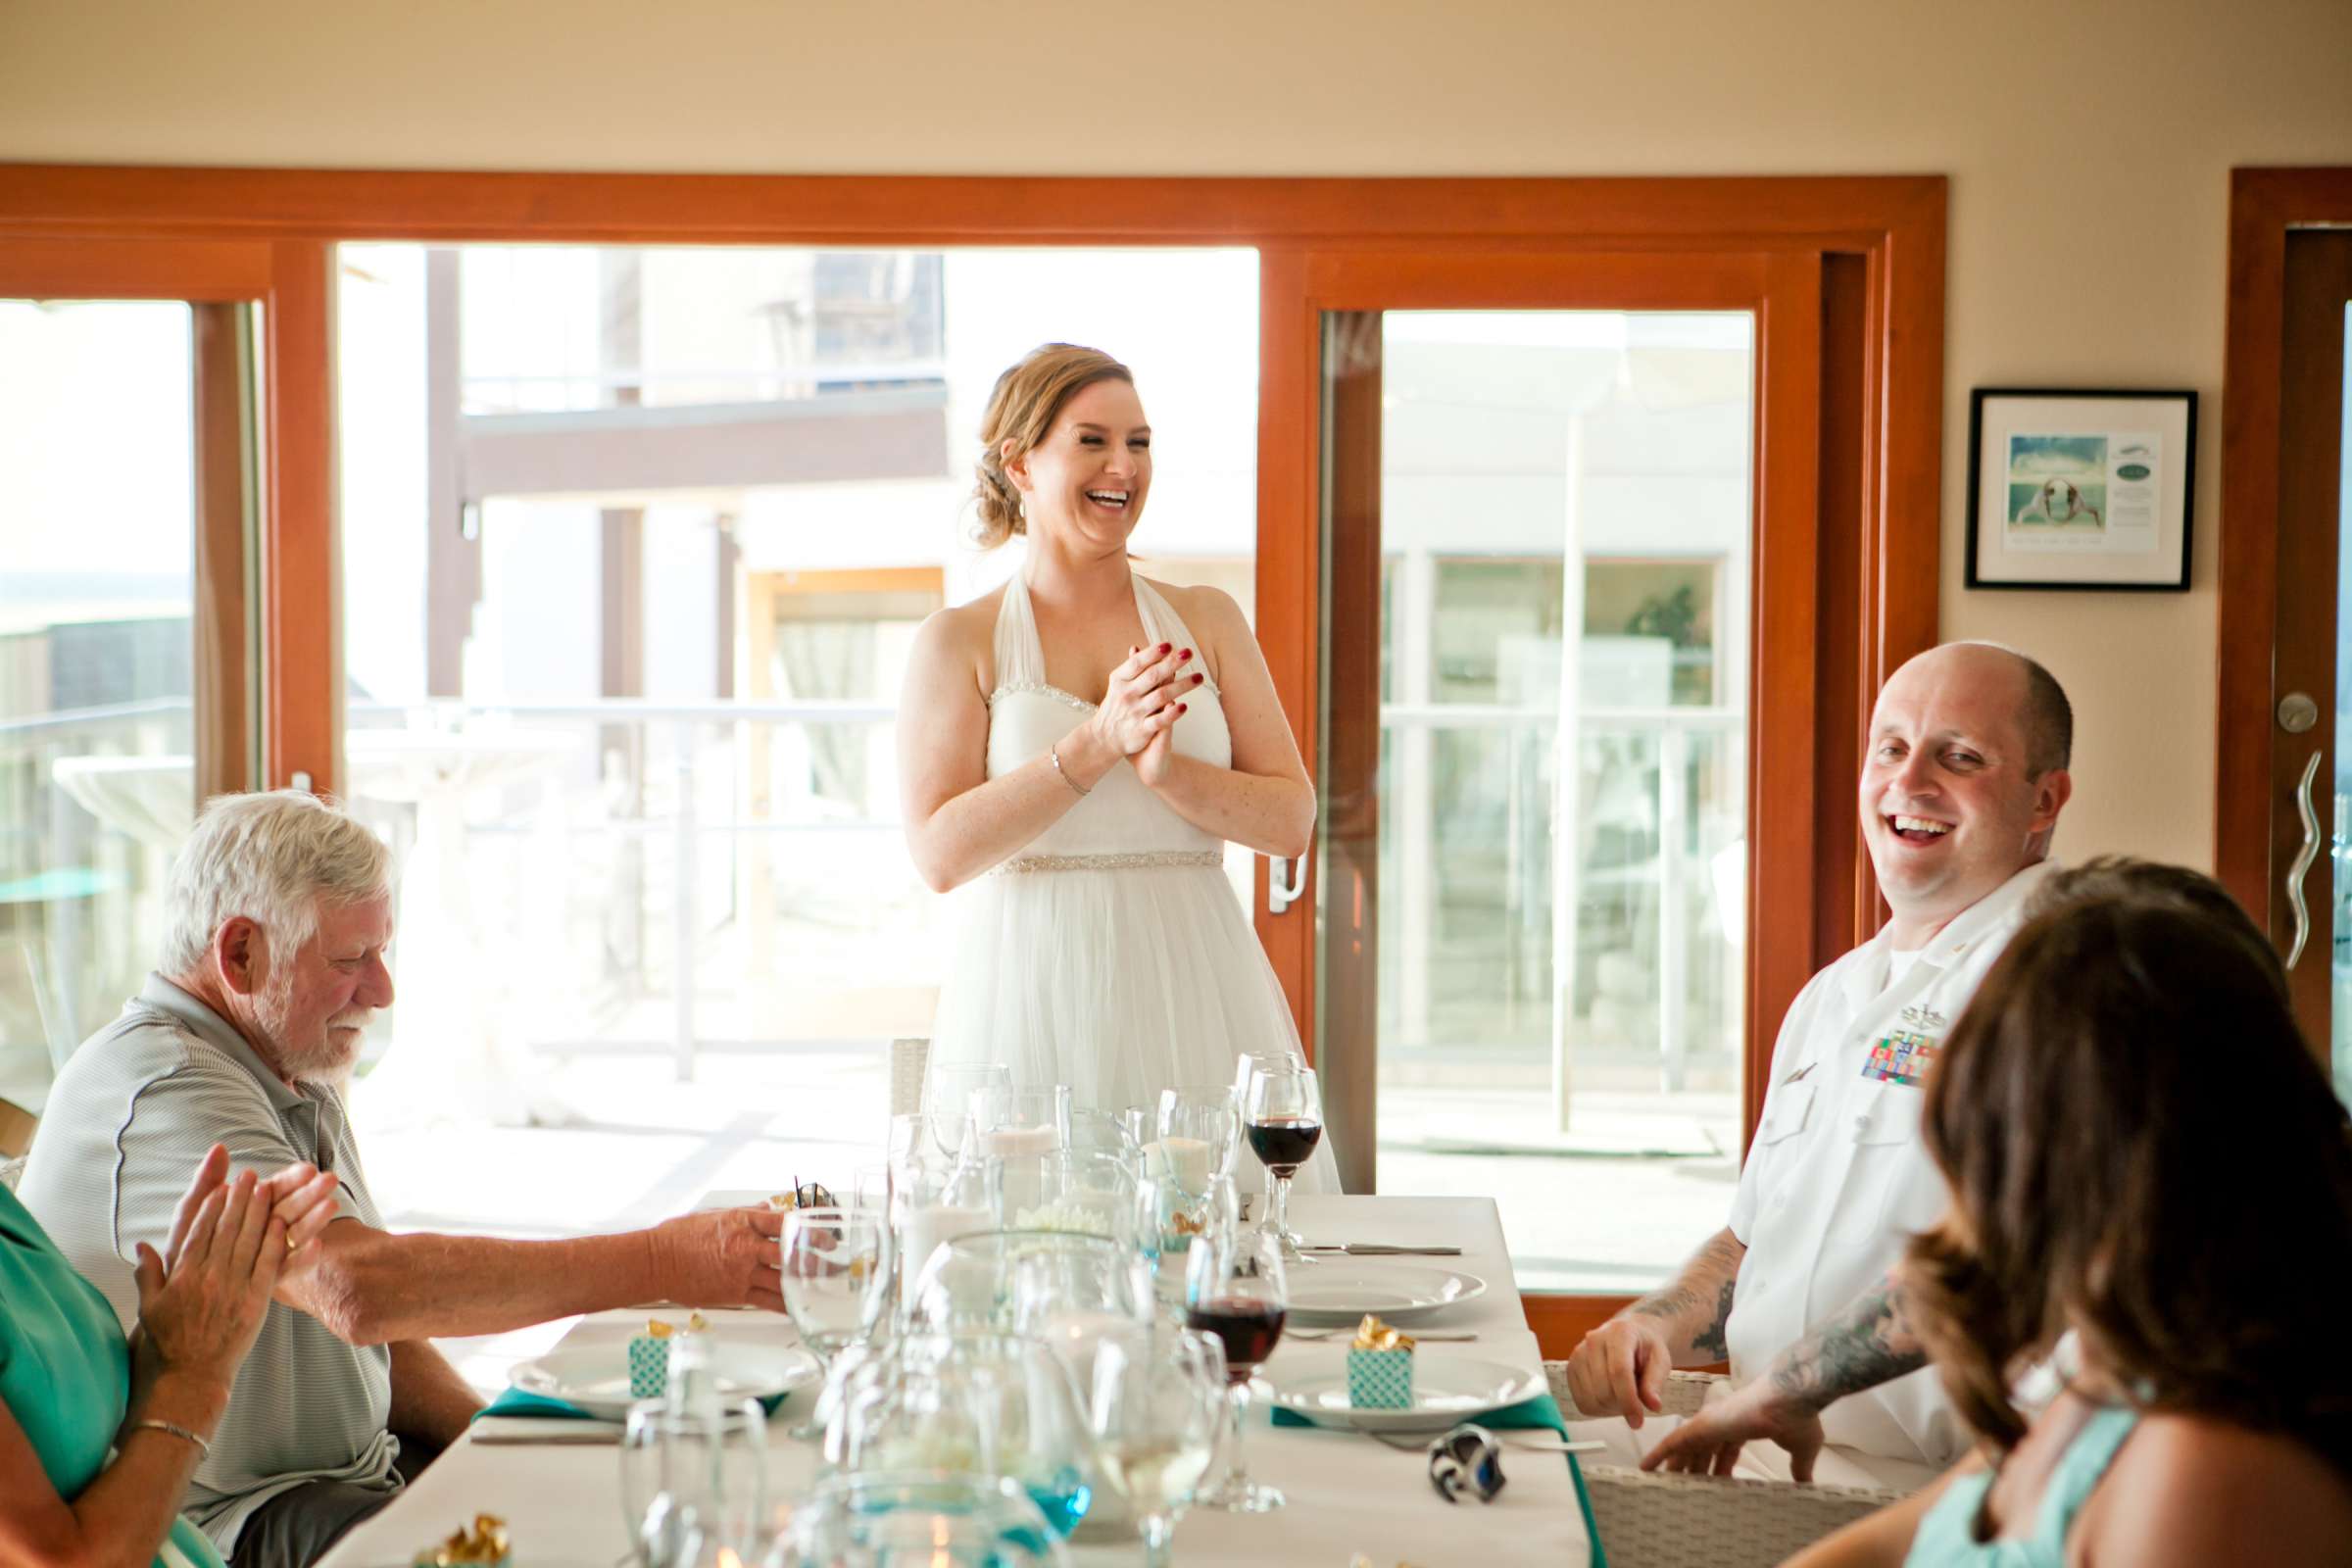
[{"x": 1352, "y": 1495}]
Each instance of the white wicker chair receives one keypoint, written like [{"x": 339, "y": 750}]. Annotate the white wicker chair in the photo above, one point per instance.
[
  {"x": 1652, "y": 1520},
  {"x": 908, "y": 1060}
]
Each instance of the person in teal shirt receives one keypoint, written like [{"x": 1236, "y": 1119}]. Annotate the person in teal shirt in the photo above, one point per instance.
[
  {"x": 2150, "y": 1182},
  {"x": 99, "y": 1434}
]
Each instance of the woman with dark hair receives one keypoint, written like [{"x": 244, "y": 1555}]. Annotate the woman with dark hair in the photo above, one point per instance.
[{"x": 2147, "y": 1161}]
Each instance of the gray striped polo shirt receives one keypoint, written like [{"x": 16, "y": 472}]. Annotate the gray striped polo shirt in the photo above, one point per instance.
[{"x": 126, "y": 1124}]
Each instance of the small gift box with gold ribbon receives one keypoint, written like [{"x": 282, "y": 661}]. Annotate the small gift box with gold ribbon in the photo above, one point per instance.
[
  {"x": 649, "y": 1356},
  {"x": 1380, "y": 1367},
  {"x": 483, "y": 1546}
]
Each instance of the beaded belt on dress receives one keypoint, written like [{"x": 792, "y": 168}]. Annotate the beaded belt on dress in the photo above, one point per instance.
[{"x": 1212, "y": 859}]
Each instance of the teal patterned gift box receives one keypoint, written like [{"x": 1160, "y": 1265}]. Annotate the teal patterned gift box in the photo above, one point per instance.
[
  {"x": 1380, "y": 1380},
  {"x": 648, "y": 1365}
]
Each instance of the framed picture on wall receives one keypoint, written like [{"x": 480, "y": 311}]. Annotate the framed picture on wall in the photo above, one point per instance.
[{"x": 2079, "y": 490}]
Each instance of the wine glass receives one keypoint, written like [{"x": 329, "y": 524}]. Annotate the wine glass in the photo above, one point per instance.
[
  {"x": 947, "y": 1096},
  {"x": 1245, "y": 1069},
  {"x": 836, "y": 1279},
  {"x": 1155, "y": 1399},
  {"x": 1235, "y": 1289},
  {"x": 1169, "y": 1218},
  {"x": 1282, "y": 1115},
  {"x": 937, "y": 1518},
  {"x": 693, "y": 1481}
]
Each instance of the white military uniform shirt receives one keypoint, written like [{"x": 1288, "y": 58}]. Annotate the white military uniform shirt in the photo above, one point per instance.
[{"x": 1838, "y": 1180}]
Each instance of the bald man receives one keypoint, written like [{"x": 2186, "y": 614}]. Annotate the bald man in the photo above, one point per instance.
[{"x": 1961, "y": 788}]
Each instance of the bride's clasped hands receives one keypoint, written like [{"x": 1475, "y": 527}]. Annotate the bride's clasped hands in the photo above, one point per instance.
[{"x": 1141, "y": 706}]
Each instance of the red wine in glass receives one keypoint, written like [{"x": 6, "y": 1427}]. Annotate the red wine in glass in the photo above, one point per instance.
[
  {"x": 1285, "y": 1143},
  {"x": 1249, "y": 1330}
]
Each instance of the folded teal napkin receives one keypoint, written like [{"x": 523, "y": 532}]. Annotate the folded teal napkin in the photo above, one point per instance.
[
  {"x": 1543, "y": 1412},
  {"x": 514, "y": 1401}
]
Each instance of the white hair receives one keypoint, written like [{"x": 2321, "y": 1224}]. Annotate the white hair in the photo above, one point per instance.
[{"x": 272, "y": 857}]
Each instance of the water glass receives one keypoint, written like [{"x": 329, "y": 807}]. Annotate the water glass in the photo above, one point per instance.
[
  {"x": 1170, "y": 1218},
  {"x": 694, "y": 1481},
  {"x": 836, "y": 1278},
  {"x": 948, "y": 1091},
  {"x": 1155, "y": 1399},
  {"x": 938, "y": 1519}
]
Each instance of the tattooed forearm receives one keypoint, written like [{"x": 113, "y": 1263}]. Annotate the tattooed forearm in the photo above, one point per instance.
[
  {"x": 1712, "y": 1341},
  {"x": 1694, "y": 1310},
  {"x": 1868, "y": 1343}
]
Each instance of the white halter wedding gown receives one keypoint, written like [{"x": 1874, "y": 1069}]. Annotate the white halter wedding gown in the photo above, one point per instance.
[{"x": 1108, "y": 953}]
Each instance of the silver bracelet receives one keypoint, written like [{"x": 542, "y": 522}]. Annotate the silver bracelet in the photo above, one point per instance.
[
  {"x": 175, "y": 1428},
  {"x": 1055, "y": 752}
]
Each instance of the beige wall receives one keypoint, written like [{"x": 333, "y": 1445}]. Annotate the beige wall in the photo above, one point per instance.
[{"x": 2088, "y": 147}]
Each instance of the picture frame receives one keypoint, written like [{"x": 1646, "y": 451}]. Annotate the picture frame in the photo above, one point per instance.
[{"x": 2081, "y": 489}]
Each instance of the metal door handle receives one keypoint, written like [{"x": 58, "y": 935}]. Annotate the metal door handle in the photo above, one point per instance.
[
  {"x": 2309, "y": 853},
  {"x": 1283, "y": 888}
]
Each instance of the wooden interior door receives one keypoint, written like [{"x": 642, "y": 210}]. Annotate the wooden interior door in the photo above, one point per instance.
[
  {"x": 2279, "y": 767},
  {"x": 2309, "y": 785}
]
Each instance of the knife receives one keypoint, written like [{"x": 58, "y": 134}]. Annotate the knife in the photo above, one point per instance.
[{"x": 1380, "y": 1250}]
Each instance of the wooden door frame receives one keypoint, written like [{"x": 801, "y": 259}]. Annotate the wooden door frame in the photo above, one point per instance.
[
  {"x": 2265, "y": 206},
  {"x": 208, "y": 273},
  {"x": 1877, "y": 241}
]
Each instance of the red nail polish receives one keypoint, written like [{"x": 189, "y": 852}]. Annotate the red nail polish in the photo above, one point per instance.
[
  {"x": 1197, "y": 679},
  {"x": 1181, "y": 707},
  {"x": 1163, "y": 648},
  {"x": 1186, "y": 653}
]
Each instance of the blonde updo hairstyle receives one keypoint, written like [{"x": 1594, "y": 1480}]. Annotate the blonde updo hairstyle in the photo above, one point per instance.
[{"x": 1028, "y": 398}]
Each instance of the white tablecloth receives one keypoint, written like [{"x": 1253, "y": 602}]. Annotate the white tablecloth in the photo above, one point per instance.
[{"x": 1347, "y": 1493}]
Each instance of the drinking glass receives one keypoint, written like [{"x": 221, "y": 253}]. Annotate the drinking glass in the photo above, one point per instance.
[
  {"x": 936, "y": 1518},
  {"x": 870, "y": 1188},
  {"x": 994, "y": 1405},
  {"x": 1102, "y": 1133},
  {"x": 1245, "y": 1069},
  {"x": 1155, "y": 1399},
  {"x": 1235, "y": 1289},
  {"x": 1169, "y": 1218},
  {"x": 1282, "y": 1115},
  {"x": 694, "y": 1481},
  {"x": 836, "y": 1279},
  {"x": 947, "y": 1095},
  {"x": 1197, "y": 1132}
]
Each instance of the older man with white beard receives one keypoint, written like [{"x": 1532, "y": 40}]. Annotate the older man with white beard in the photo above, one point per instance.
[{"x": 280, "y": 910}]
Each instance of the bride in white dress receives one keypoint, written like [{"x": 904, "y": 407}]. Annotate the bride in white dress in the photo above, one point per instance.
[{"x": 1076, "y": 750}]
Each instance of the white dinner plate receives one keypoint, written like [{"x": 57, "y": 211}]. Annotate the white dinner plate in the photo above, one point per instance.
[
  {"x": 1447, "y": 1389},
  {"x": 597, "y": 1379},
  {"x": 1342, "y": 1290}
]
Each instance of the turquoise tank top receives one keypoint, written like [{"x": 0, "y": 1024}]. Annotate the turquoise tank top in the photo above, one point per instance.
[
  {"x": 1946, "y": 1536},
  {"x": 65, "y": 1369}
]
